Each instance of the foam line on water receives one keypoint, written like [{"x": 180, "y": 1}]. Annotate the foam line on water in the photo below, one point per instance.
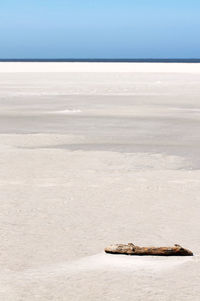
[{"x": 67, "y": 111}]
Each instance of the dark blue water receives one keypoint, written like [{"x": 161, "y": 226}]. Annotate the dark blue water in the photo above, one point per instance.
[{"x": 175, "y": 60}]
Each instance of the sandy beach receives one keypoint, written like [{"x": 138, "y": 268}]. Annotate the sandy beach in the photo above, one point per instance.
[{"x": 93, "y": 154}]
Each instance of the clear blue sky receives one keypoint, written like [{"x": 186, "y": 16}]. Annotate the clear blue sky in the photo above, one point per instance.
[{"x": 99, "y": 29}]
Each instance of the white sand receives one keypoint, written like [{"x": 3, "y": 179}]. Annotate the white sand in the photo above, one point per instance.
[
  {"x": 89, "y": 159},
  {"x": 99, "y": 67}
]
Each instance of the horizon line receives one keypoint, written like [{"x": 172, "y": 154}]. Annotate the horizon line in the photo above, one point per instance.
[{"x": 128, "y": 60}]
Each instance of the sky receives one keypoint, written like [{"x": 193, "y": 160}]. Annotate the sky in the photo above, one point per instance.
[{"x": 99, "y": 29}]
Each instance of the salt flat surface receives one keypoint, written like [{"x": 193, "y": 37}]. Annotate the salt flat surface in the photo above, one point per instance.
[{"x": 90, "y": 159}]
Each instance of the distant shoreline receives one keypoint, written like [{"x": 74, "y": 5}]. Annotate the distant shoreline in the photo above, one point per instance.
[{"x": 42, "y": 60}]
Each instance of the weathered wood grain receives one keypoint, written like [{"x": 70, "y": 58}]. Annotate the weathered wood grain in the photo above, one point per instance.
[{"x": 131, "y": 249}]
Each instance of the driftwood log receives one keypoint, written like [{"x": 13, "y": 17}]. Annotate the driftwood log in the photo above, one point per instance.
[{"x": 131, "y": 249}]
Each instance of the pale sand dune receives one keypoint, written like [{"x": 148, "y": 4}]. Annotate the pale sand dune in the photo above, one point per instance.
[{"x": 90, "y": 159}]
